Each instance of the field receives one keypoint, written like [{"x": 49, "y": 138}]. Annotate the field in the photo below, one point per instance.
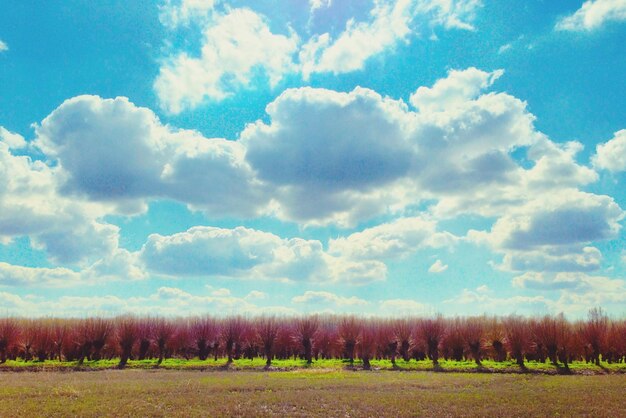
[{"x": 317, "y": 392}]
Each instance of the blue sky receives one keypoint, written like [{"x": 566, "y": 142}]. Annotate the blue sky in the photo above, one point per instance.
[{"x": 371, "y": 156}]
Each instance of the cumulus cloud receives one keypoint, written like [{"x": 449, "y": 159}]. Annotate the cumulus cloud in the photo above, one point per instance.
[
  {"x": 235, "y": 47},
  {"x": 119, "y": 265},
  {"x": 566, "y": 218},
  {"x": 230, "y": 58},
  {"x": 311, "y": 297},
  {"x": 612, "y": 154},
  {"x": 3, "y": 46},
  {"x": 113, "y": 151},
  {"x": 378, "y": 157},
  {"x": 551, "y": 232},
  {"x": 553, "y": 259},
  {"x": 248, "y": 253},
  {"x": 18, "y": 276},
  {"x": 322, "y": 157},
  {"x": 593, "y": 14},
  {"x": 13, "y": 140},
  {"x": 69, "y": 231},
  {"x": 328, "y": 146},
  {"x": 577, "y": 291},
  {"x": 438, "y": 267},
  {"x": 390, "y": 23},
  {"x": 457, "y": 88},
  {"x": 391, "y": 240}
]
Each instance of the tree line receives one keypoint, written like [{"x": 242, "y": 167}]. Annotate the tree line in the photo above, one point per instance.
[{"x": 549, "y": 338}]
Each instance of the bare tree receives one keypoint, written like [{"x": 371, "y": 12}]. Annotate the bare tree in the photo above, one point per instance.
[
  {"x": 233, "y": 329},
  {"x": 306, "y": 329},
  {"x": 593, "y": 332},
  {"x": 267, "y": 329},
  {"x": 163, "y": 331},
  {"x": 402, "y": 332},
  {"x": 473, "y": 331},
  {"x": 9, "y": 335},
  {"x": 431, "y": 332},
  {"x": 127, "y": 332},
  {"x": 368, "y": 342},
  {"x": 349, "y": 331},
  {"x": 204, "y": 332},
  {"x": 517, "y": 337}
]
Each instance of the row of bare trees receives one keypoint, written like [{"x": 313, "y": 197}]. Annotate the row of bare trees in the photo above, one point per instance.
[{"x": 548, "y": 338}]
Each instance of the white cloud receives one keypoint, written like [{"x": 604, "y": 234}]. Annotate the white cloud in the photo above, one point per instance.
[
  {"x": 457, "y": 154},
  {"x": 389, "y": 25},
  {"x": 612, "y": 154},
  {"x": 438, "y": 267},
  {"x": 577, "y": 291},
  {"x": 3, "y": 46},
  {"x": 255, "y": 295},
  {"x": 18, "y": 276},
  {"x": 403, "y": 307},
  {"x": 67, "y": 229},
  {"x": 247, "y": 253},
  {"x": 230, "y": 57},
  {"x": 235, "y": 47},
  {"x": 593, "y": 14},
  {"x": 221, "y": 292},
  {"x": 481, "y": 301},
  {"x": 553, "y": 259},
  {"x": 325, "y": 151},
  {"x": 13, "y": 140},
  {"x": 167, "y": 301},
  {"x": 326, "y": 298},
  {"x": 391, "y": 240},
  {"x": 560, "y": 219},
  {"x": 543, "y": 281},
  {"x": 552, "y": 232},
  {"x": 456, "y": 89},
  {"x": 175, "y": 13},
  {"x": 324, "y": 156},
  {"x": 112, "y": 151},
  {"x": 504, "y": 48},
  {"x": 319, "y": 4},
  {"x": 120, "y": 265},
  {"x": 451, "y": 14},
  {"x": 556, "y": 167}
]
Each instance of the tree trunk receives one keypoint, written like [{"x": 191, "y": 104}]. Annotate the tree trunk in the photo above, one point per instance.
[
  {"x": 306, "y": 343},
  {"x": 366, "y": 363}
]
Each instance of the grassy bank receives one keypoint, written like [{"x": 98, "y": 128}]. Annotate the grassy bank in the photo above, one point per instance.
[{"x": 258, "y": 364}]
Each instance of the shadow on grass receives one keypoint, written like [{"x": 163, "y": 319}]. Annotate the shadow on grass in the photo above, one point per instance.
[{"x": 563, "y": 370}]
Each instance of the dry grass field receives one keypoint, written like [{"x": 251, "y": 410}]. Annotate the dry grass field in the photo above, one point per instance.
[{"x": 315, "y": 392}]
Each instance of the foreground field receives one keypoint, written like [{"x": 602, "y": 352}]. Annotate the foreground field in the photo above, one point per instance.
[{"x": 307, "y": 393}]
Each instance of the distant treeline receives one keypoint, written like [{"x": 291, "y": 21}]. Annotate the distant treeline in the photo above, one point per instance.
[{"x": 543, "y": 339}]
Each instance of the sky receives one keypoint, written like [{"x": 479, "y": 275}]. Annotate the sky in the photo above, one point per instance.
[{"x": 376, "y": 157}]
